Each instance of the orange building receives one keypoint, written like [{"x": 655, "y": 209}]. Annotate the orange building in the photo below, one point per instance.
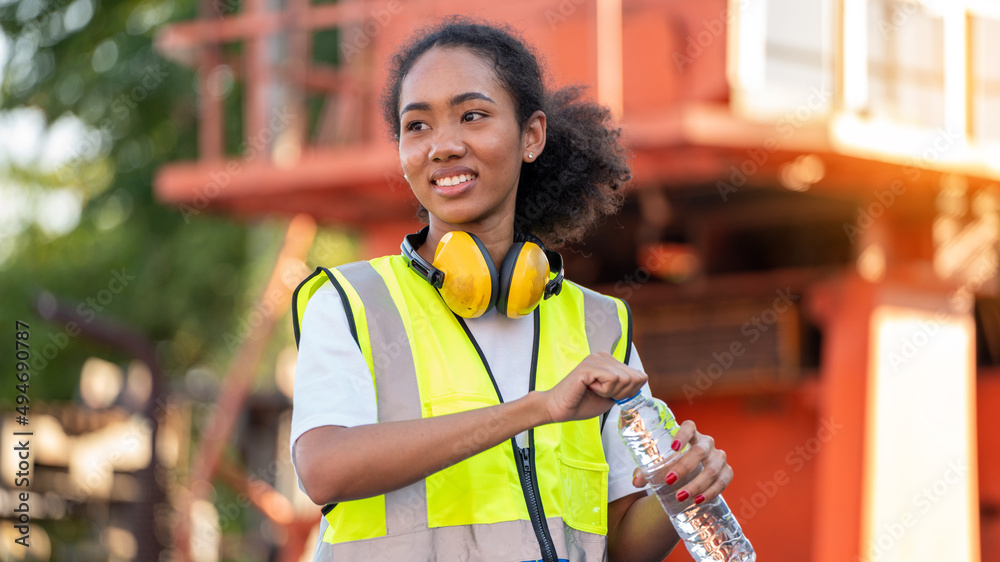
[{"x": 809, "y": 247}]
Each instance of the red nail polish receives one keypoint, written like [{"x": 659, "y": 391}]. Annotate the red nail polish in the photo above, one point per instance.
[
  {"x": 676, "y": 445},
  {"x": 699, "y": 498},
  {"x": 671, "y": 478},
  {"x": 682, "y": 495}
]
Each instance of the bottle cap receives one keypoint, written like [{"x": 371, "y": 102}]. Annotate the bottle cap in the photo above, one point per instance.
[{"x": 627, "y": 400}]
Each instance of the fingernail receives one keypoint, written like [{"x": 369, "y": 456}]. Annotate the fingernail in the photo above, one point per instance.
[
  {"x": 671, "y": 478},
  {"x": 698, "y": 499},
  {"x": 676, "y": 445},
  {"x": 682, "y": 495}
]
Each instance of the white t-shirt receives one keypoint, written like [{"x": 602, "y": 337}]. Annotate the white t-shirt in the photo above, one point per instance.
[{"x": 333, "y": 385}]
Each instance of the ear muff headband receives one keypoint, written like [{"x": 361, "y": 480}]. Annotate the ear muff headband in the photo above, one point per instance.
[{"x": 417, "y": 263}]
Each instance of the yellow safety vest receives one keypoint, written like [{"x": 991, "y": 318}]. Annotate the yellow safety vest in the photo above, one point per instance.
[{"x": 546, "y": 501}]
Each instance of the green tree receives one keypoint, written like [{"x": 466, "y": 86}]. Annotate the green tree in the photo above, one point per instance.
[
  {"x": 181, "y": 283},
  {"x": 185, "y": 282}
]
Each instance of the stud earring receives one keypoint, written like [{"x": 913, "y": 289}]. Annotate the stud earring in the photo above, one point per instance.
[{"x": 531, "y": 155}]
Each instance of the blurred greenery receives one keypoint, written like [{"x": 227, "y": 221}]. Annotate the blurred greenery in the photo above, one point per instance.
[
  {"x": 184, "y": 282},
  {"x": 194, "y": 281},
  {"x": 187, "y": 283}
]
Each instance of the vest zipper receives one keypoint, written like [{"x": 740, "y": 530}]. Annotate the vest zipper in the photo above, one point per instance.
[
  {"x": 529, "y": 484},
  {"x": 531, "y": 497}
]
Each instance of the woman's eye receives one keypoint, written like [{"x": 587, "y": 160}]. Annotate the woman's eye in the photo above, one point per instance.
[
  {"x": 472, "y": 116},
  {"x": 416, "y": 126}
]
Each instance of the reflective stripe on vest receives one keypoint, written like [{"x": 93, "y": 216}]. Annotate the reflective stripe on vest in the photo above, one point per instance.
[
  {"x": 509, "y": 541},
  {"x": 474, "y": 509}
]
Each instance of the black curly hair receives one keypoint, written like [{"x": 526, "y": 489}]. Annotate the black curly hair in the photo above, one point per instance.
[{"x": 579, "y": 176}]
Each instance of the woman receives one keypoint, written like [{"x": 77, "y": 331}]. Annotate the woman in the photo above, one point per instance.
[{"x": 433, "y": 431}]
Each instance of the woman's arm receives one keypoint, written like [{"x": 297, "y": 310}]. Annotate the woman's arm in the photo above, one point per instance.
[
  {"x": 638, "y": 527},
  {"x": 347, "y": 463},
  {"x": 338, "y": 464}
]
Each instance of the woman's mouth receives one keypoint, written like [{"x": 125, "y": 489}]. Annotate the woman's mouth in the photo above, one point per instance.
[{"x": 450, "y": 186}]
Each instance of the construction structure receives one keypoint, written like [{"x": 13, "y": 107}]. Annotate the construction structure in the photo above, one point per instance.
[{"x": 810, "y": 243}]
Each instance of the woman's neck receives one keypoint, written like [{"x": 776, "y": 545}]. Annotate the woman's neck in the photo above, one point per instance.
[{"x": 496, "y": 237}]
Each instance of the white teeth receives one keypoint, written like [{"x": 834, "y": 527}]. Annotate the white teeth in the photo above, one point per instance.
[{"x": 454, "y": 180}]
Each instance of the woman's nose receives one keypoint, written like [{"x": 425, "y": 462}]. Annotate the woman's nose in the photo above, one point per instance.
[{"x": 447, "y": 144}]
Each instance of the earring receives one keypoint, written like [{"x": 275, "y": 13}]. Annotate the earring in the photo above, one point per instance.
[{"x": 531, "y": 155}]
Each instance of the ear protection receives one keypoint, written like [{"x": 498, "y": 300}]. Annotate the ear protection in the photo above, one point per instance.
[{"x": 467, "y": 279}]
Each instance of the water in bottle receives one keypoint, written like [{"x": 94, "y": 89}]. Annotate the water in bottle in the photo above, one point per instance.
[{"x": 709, "y": 530}]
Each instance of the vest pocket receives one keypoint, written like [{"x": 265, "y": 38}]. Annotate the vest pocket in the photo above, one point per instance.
[{"x": 585, "y": 494}]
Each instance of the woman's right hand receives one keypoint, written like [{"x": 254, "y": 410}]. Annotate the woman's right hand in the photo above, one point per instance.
[{"x": 587, "y": 391}]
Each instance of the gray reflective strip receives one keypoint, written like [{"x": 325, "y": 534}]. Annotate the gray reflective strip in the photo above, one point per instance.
[
  {"x": 584, "y": 546},
  {"x": 509, "y": 540},
  {"x": 397, "y": 395},
  {"x": 399, "y": 399},
  {"x": 601, "y": 319}
]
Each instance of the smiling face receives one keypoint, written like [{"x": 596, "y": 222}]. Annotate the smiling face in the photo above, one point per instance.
[{"x": 459, "y": 141}]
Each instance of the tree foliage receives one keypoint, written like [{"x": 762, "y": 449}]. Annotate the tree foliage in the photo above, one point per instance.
[{"x": 183, "y": 284}]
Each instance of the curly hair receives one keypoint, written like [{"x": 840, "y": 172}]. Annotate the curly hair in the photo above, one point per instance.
[{"x": 579, "y": 176}]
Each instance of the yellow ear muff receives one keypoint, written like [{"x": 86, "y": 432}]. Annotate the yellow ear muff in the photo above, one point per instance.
[
  {"x": 469, "y": 288},
  {"x": 467, "y": 279},
  {"x": 523, "y": 276}
]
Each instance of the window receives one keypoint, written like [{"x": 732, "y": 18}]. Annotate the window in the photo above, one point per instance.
[
  {"x": 905, "y": 64},
  {"x": 783, "y": 56},
  {"x": 985, "y": 79},
  {"x": 798, "y": 49}
]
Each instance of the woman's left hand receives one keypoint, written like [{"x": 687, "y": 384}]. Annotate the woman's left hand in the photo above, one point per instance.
[{"x": 715, "y": 475}]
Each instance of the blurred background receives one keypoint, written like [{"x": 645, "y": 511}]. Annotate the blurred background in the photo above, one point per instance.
[{"x": 809, "y": 247}]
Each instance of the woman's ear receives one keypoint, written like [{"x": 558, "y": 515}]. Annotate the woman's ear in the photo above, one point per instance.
[{"x": 534, "y": 136}]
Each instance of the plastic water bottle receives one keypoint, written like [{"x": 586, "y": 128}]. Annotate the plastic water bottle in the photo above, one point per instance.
[{"x": 709, "y": 531}]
